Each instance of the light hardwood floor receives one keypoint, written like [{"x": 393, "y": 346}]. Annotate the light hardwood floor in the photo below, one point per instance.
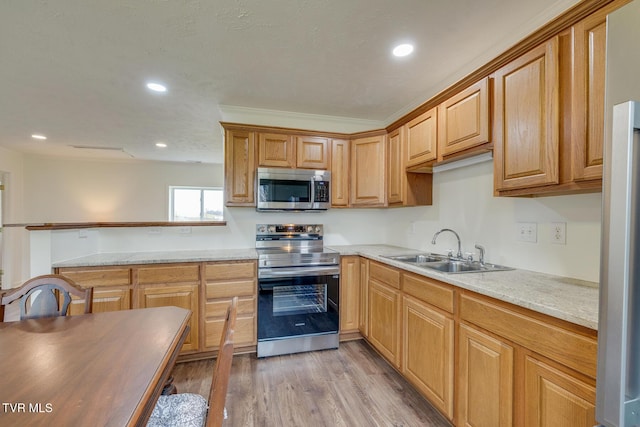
[{"x": 351, "y": 386}]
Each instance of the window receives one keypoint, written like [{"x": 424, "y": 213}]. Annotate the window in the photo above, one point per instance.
[{"x": 195, "y": 204}]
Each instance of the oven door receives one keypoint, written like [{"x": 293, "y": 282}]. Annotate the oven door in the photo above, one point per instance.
[{"x": 295, "y": 301}]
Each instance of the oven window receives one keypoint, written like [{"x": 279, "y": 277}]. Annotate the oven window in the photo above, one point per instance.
[
  {"x": 279, "y": 190},
  {"x": 299, "y": 299}
]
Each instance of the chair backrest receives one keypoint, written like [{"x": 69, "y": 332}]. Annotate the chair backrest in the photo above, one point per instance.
[
  {"x": 222, "y": 371},
  {"x": 46, "y": 296}
]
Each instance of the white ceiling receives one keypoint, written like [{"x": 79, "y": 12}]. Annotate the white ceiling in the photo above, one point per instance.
[{"x": 75, "y": 70}]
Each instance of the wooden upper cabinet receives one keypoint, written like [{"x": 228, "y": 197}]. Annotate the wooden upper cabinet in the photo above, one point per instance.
[
  {"x": 368, "y": 171},
  {"x": 405, "y": 188},
  {"x": 526, "y": 133},
  {"x": 276, "y": 150},
  {"x": 587, "y": 109},
  {"x": 312, "y": 152},
  {"x": 464, "y": 120},
  {"x": 421, "y": 140},
  {"x": 339, "y": 173},
  {"x": 239, "y": 168},
  {"x": 396, "y": 181}
]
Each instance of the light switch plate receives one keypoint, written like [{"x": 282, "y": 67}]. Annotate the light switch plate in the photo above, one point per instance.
[{"x": 527, "y": 232}]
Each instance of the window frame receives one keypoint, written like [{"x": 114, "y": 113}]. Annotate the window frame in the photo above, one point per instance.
[{"x": 171, "y": 203}]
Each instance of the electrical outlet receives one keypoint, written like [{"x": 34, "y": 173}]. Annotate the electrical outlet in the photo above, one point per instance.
[
  {"x": 83, "y": 234},
  {"x": 527, "y": 232},
  {"x": 154, "y": 230},
  {"x": 559, "y": 233},
  {"x": 185, "y": 230}
]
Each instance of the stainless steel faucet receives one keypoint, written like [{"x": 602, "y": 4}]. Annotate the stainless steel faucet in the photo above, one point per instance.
[
  {"x": 435, "y": 236},
  {"x": 481, "y": 249}
]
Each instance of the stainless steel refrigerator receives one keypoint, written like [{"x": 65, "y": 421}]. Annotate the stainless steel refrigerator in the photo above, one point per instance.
[{"x": 618, "y": 377}]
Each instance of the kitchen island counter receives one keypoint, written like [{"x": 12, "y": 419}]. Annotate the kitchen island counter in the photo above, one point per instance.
[{"x": 573, "y": 300}]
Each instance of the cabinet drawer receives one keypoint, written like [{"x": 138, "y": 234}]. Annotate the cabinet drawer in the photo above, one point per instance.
[
  {"x": 428, "y": 291},
  {"x": 230, "y": 289},
  {"x": 384, "y": 274},
  {"x": 230, "y": 270},
  {"x": 169, "y": 274},
  {"x": 243, "y": 334},
  {"x": 99, "y": 277},
  {"x": 565, "y": 346},
  {"x": 246, "y": 306}
]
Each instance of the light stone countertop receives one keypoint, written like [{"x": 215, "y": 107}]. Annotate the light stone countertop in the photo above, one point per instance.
[
  {"x": 560, "y": 297},
  {"x": 160, "y": 257},
  {"x": 572, "y": 300}
]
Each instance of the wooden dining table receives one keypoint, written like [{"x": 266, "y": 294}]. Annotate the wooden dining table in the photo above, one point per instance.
[{"x": 103, "y": 369}]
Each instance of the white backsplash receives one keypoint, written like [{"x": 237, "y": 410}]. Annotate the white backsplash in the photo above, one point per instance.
[{"x": 463, "y": 200}]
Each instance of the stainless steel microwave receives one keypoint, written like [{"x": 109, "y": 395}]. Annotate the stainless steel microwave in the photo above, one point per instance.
[{"x": 293, "y": 189}]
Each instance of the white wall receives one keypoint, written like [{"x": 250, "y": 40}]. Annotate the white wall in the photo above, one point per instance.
[
  {"x": 76, "y": 190},
  {"x": 15, "y": 240},
  {"x": 463, "y": 200}
]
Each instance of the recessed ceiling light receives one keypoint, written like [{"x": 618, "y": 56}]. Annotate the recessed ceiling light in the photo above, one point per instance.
[
  {"x": 156, "y": 87},
  {"x": 403, "y": 50},
  {"x": 161, "y": 145},
  {"x": 37, "y": 136}
]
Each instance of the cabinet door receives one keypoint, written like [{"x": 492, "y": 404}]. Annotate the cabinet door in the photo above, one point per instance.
[
  {"x": 312, "y": 152},
  {"x": 463, "y": 120},
  {"x": 239, "y": 168},
  {"x": 384, "y": 320},
  {"x": 555, "y": 398},
  {"x": 527, "y": 120},
  {"x": 396, "y": 181},
  {"x": 587, "y": 111},
  {"x": 349, "y": 293},
  {"x": 184, "y": 296},
  {"x": 339, "y": 173},
  {"x": 363, "y": 314},
  {"x": 276, "y": 150},
  {"x": 111, "y": 287},
  {"x": 368, "y": 171},
  {"x": 485, "y": 380},
  {"x": 104, "y": 299},
  {"x": 428, "y": 352},
  {"x": 422, "y": 143}
]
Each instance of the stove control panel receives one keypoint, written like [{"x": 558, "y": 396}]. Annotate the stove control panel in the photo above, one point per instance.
[{"x": 288, "y": 229}]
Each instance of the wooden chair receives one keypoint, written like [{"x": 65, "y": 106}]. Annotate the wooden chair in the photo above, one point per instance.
[
  {"x": 190, "y": 410},
  {"x": 39, "y": 297}
]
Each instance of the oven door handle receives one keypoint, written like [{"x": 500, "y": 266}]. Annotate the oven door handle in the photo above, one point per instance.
[{"x": 320, "y": 270}]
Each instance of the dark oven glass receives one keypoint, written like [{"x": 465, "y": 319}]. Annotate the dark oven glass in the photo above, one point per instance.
[
  {"x": 293, "y": 306},
  {"x": 285, "y": 190}
]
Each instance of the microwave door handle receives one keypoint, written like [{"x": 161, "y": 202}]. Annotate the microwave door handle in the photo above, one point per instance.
[{"x": 312, "y": 197}]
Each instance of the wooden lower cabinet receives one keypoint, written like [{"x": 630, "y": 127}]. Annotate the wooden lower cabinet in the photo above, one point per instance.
[
  {"x": 485, "y": 380},
  {"x": 555, "y": 398},
  {"x": 223, "y": 281},
  {"x": 427, "y": 349},
  {"x": 349, "y": 293},
  {"x": 111, "y": 287},
  {"x": 363, "y": 313},
  {"x": 179, "y": 295},
  {"x": 385, "y": 311}
]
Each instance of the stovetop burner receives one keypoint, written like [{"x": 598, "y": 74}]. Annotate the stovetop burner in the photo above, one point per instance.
[{"x": 291, "y": 245}]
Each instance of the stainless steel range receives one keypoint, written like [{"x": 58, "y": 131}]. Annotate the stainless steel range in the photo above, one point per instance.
[{"x": 298, "y": 289}]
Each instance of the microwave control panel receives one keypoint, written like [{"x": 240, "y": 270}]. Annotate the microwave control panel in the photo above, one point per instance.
[{"x": 321, "y": 191}]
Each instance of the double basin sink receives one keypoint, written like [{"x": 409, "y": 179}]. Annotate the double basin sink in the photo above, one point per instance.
[{"x": 446, "y": 264}]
